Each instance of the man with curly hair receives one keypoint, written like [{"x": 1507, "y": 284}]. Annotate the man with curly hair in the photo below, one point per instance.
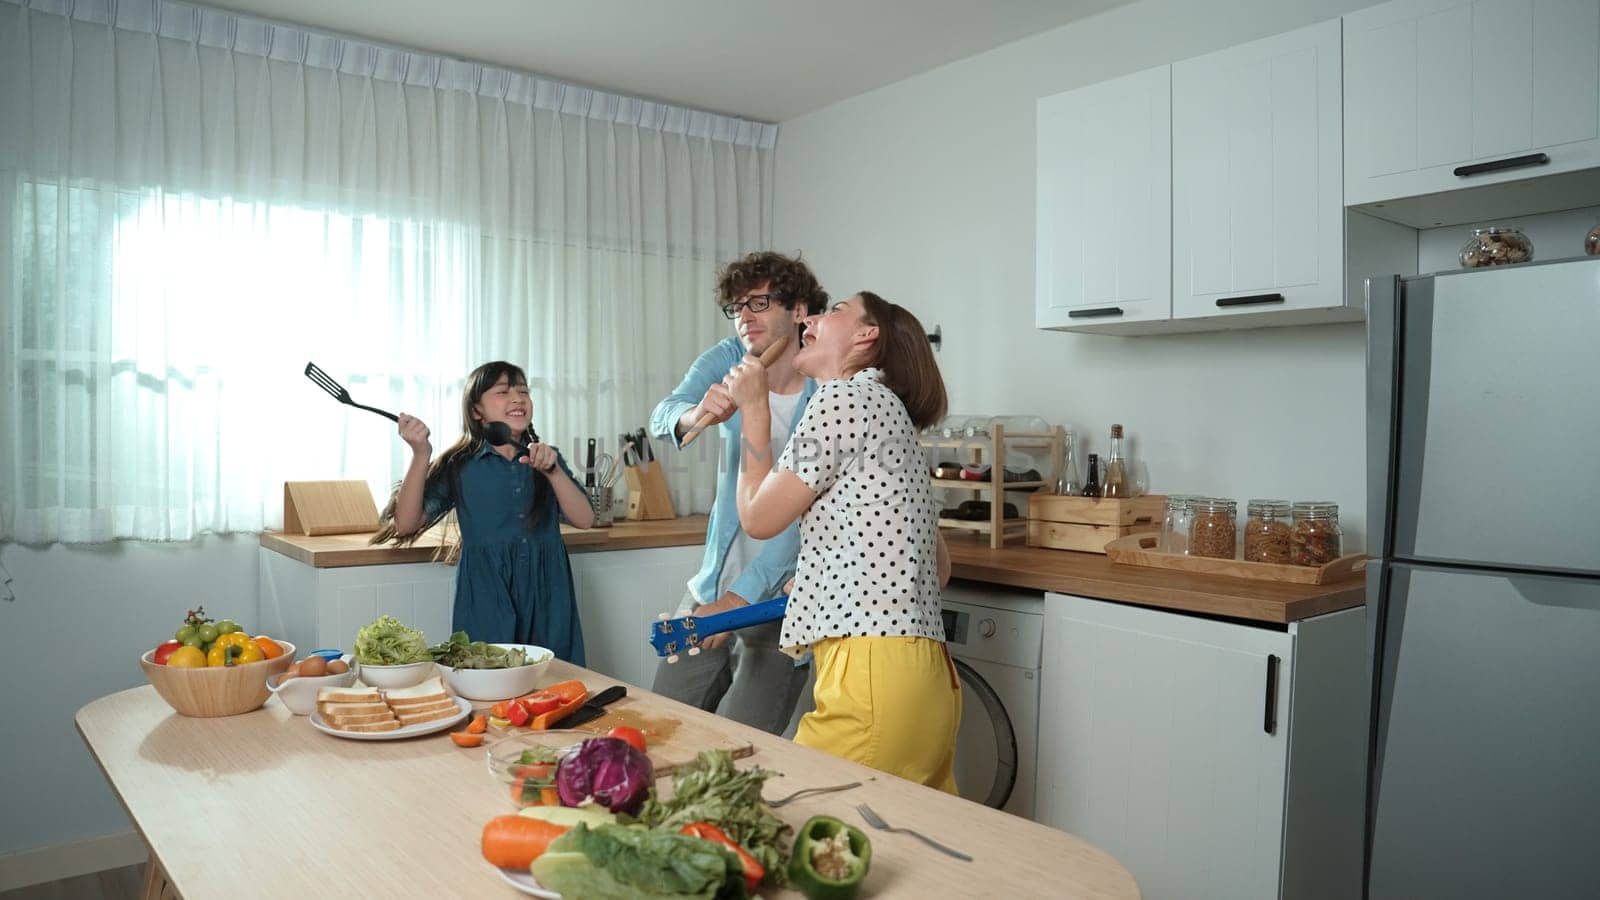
[{"x": 743, "y": 675}]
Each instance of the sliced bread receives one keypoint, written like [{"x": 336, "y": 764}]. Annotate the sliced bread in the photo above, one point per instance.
[
  {"x": 413, "y": 713},
  {"x": 349, "y": 695},
  {"x": 432, "y": 715},
  {"x": 430, "y": 691},
  {"x": 391, "y": 725}
]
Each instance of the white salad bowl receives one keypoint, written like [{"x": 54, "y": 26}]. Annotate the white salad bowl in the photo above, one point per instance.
[
  {"x": 388, "y": 678},
  {"x": 498, "y": 684}
]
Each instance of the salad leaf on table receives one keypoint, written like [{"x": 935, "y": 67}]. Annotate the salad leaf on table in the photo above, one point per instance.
[
  {"x": 616, "y": 862},
  {"x": 711, "y": 789}
]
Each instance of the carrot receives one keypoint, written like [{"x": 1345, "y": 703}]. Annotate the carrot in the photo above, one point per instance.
[
  {"x": 549, "y": 797},
  {"x": 514, "y": 842},
  {"x": 478, "y": 725},
  {"x": 464, "y": 739}
]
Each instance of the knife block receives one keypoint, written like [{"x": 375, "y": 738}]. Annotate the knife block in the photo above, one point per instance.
[{"x": 647, "y": 492}]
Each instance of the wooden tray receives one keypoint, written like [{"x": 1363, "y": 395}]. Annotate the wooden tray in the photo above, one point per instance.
[{"x": 1139, "y": 550}]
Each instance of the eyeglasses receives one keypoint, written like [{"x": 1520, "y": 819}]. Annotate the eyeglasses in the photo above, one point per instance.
[{"x": 754, "y": 303}]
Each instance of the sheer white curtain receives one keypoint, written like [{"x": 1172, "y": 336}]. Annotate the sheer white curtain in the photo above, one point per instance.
[{"x": 194, "y": 204}]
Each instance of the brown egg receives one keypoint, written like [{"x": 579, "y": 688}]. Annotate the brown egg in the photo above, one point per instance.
[
  {"x": 312, "y": 666},
  {"x": 338, "y": 667}
]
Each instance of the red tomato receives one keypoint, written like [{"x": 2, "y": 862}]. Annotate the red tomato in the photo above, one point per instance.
[
  {"x": 540, "y": 702},
  {"x": 626, "y": 733},
  {"x": 166, "y": 649},
  {"x": 517, "y": 714}
]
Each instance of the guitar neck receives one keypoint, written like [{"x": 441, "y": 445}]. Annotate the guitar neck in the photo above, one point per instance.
[{"x": 743, "y": 617}]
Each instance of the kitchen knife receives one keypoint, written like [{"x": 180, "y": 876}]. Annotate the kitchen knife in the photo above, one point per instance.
[
  {"x": 596, "y": 707},
  {"x": 588, "y": 467}
]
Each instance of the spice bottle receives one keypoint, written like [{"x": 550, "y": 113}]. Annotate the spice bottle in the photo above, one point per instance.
[
  {"x": 1315, "y": 538},
  {"x": 1091, "y": 484},
  {"x": 1116, "y": 469},
  {"x": 1266, "y": 531},
  {"x": 1212, "y": 530}
]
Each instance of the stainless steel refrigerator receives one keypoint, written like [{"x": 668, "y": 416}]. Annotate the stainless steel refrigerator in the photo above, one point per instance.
[{"x": 1483, "y": 608}]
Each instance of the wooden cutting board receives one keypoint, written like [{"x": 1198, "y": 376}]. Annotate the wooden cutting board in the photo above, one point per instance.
[{"x": 671, "y": 744}]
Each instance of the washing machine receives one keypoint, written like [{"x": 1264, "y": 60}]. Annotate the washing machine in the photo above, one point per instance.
[{"x": 996, "y": 638}]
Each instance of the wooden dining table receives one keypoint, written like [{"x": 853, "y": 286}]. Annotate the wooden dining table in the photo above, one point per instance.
[{"x": 265, "y": 805}]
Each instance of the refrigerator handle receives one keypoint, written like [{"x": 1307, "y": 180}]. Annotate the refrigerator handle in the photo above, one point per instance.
[{"x": 1269, "y": 721}]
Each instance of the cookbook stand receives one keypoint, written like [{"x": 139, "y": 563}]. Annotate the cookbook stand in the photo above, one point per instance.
[{"x": 328, "y": 507}]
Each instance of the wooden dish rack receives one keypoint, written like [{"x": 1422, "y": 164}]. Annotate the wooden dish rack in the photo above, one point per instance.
[
  {"x": 976, "y": 452},
  {"x": 1140, "y": 550}
]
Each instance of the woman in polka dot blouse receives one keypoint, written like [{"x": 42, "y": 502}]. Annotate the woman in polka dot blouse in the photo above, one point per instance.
[{"x": 866, "y": 595}]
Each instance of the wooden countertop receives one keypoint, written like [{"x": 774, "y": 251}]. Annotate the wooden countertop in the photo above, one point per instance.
[
  {"x": 1093, "y": 575},
  {"x": 335, "y": 550},
  {"x": 232, "y": 807},
  {"x": 1035, "y": 568}
]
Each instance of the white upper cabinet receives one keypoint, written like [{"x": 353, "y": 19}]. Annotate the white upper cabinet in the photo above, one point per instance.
[
  {"x": 1258, "y": 210},
  {"x": 1103, "y": 239},
  {"x": 1447, "y": 94}
]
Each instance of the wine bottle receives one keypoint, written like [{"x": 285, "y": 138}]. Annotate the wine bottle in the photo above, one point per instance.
[{"x": 1091, "y": 484}]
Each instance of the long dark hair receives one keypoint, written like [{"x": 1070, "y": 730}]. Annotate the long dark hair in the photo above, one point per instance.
[
  {"x": 903, "y": 353},
  {"x": 446, "y": 467}
]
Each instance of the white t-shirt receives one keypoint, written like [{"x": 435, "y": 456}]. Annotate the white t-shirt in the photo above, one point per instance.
[
  {"x": 745, "y": 548},
  {"x": 868, "y": 563}
]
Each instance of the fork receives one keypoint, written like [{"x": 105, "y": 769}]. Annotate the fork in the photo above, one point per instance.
[
  {"x": 877, "y": 822},
  {"x": 816, "y": 790}
]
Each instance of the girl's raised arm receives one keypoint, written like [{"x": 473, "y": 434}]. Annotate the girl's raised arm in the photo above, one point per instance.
[{"x": 408, "y": 502}]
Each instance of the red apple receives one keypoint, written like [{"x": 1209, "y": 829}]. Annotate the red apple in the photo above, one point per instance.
[{"x": 164, "y": 651}]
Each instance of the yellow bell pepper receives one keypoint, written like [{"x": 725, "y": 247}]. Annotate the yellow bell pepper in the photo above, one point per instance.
[{"x": 233, "y": 649}]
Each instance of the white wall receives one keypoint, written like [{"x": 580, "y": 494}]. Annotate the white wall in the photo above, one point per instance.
[
  {"x": 924, "y": 192},
  {"x": 74, "y": 633}
]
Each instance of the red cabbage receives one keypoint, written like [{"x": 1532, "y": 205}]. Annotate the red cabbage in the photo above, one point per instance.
[{"x": 608, "y": 771}]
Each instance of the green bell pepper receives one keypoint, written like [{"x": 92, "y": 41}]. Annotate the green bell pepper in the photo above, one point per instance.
[{"x": 830, "y": 859}]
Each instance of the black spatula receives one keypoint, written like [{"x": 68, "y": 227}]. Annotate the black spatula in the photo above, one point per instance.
[{"x": 325, "y": 381}]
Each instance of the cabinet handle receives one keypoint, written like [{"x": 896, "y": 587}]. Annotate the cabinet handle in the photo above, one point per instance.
[
  {"x": 1269, "y": 722},
  {"x": 1095, "y": 313},
  {"x": 1513, "y": 162},
  {"x": 1251, "y": 300}
]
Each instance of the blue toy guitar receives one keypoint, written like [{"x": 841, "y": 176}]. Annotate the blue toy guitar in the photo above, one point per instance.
[{"x": 672, "y": 636}]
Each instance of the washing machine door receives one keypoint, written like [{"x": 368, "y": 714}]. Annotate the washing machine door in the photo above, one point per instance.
[{"x": 986, "y": 745}]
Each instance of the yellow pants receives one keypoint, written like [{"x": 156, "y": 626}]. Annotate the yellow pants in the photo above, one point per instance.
[{"x": 892, "y": 703}]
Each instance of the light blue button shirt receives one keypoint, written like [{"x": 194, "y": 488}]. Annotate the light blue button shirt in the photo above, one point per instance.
[{"x": 765, "y": 576}]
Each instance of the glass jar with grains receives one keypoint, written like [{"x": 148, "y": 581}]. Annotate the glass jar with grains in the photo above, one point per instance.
[
  {"x": 1212, "y": 530},
  {"x": 1315, "y": 538},
  {"x": 1496, "y": 246},
  {"x": 1266, "y": 531}
]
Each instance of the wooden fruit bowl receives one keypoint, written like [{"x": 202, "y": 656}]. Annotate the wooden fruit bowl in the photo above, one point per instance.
[{"x": 220, "y": 691}]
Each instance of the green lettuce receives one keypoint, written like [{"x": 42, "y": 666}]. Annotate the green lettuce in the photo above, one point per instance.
[
  {"x": 616, "y": 862},
  {"x": 711, "y": 789},
  {"x": 388, "y": 642}
]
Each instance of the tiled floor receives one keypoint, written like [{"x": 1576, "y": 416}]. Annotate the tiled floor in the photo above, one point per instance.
[{"x": 125, "y": 883}]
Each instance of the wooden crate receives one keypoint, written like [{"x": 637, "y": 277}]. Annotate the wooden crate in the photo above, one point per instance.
[{"x": 1087, "y": 524}]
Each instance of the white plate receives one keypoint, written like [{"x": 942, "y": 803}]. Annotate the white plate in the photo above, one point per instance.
[
  {"x": 463, "y": 707},
  {"x": 524, "y": 881}
]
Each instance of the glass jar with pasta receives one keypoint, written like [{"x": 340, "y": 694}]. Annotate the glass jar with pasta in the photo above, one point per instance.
[
  {"x": 1266, "y": 531},
  {"x": 1315, "y": 538},
  {"x": 1212, "y": 529}
]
